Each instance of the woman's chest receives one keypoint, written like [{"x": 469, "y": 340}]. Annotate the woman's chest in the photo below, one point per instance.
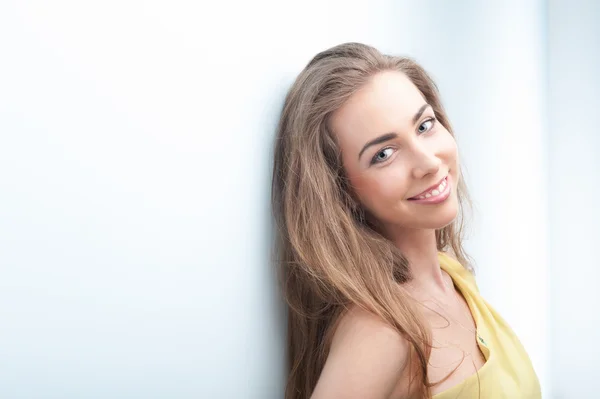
[
  {"x": 457, "y": 351},
  {"x": 455, "y": 356}
]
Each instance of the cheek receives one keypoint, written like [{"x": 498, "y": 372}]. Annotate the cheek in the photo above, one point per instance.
[
  {"x": 448, "y": 152},
  {"x": 380, "y": 188},
  {"x": 449, "y": 148},
  {"x": 443, "y": 145}
]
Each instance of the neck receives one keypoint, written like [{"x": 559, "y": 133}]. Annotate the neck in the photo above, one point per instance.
[{"x": 420, "y": 249}]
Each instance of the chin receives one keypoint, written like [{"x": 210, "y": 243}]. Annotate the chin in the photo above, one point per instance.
[
  {"x": 433, "y": 221},
  {"x": 424, "y": 217},
  {"x": 445, "y": 215},
  {"x": 441, "y": 222},
  {"x": 436, "y": 218}
]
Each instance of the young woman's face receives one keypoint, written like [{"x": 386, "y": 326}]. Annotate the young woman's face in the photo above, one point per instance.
[{"x": 401, "y": 162}]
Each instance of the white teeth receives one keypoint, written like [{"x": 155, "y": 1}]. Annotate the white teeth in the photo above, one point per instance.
[{"x": 436, "y": 191}]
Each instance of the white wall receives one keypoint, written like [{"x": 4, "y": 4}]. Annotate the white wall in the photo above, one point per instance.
[
  {"x": 573, "y": 104},
  {"x": 134, "y": 178},
  {"x": 135, "y": 144}
]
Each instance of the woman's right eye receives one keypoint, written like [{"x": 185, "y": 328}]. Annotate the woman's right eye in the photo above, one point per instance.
[{"x": 382, "y": 155}]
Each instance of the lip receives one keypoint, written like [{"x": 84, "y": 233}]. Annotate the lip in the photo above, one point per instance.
[
  {"x": 430, "y": 188},
  {"x": 441, "y": 197}
]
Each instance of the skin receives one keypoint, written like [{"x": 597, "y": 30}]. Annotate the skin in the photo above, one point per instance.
[{"x": 368, "y": 359}]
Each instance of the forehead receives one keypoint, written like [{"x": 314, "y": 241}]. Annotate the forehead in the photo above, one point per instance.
[{"x": 386, "y": 104}]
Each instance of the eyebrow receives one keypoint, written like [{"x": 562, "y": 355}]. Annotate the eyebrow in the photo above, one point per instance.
[{"x": 388, "y": 136}]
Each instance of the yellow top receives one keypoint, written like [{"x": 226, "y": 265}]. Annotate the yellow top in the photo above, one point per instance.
[{"x": 507, "y": 372}]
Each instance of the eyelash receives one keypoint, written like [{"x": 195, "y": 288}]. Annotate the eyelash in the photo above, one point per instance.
[{"x": 433, "y": 120}]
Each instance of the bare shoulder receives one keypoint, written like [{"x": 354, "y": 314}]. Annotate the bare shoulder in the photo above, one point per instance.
[{"x": 366, "y": 360}]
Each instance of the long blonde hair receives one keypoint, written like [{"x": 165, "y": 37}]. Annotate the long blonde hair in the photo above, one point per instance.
[{"x": 328, "y": 255}]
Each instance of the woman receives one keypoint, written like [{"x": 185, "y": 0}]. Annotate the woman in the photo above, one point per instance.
[{"x": 368, "y": 199}]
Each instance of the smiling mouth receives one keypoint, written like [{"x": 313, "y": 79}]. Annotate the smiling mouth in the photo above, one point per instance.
[{"x": 433, "y": 191}]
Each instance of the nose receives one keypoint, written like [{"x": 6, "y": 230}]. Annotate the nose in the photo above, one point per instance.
[{"x": 425, "y": 162}]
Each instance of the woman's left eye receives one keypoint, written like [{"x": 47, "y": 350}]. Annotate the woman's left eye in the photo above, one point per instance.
[{"x": 426, "y": 125}]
